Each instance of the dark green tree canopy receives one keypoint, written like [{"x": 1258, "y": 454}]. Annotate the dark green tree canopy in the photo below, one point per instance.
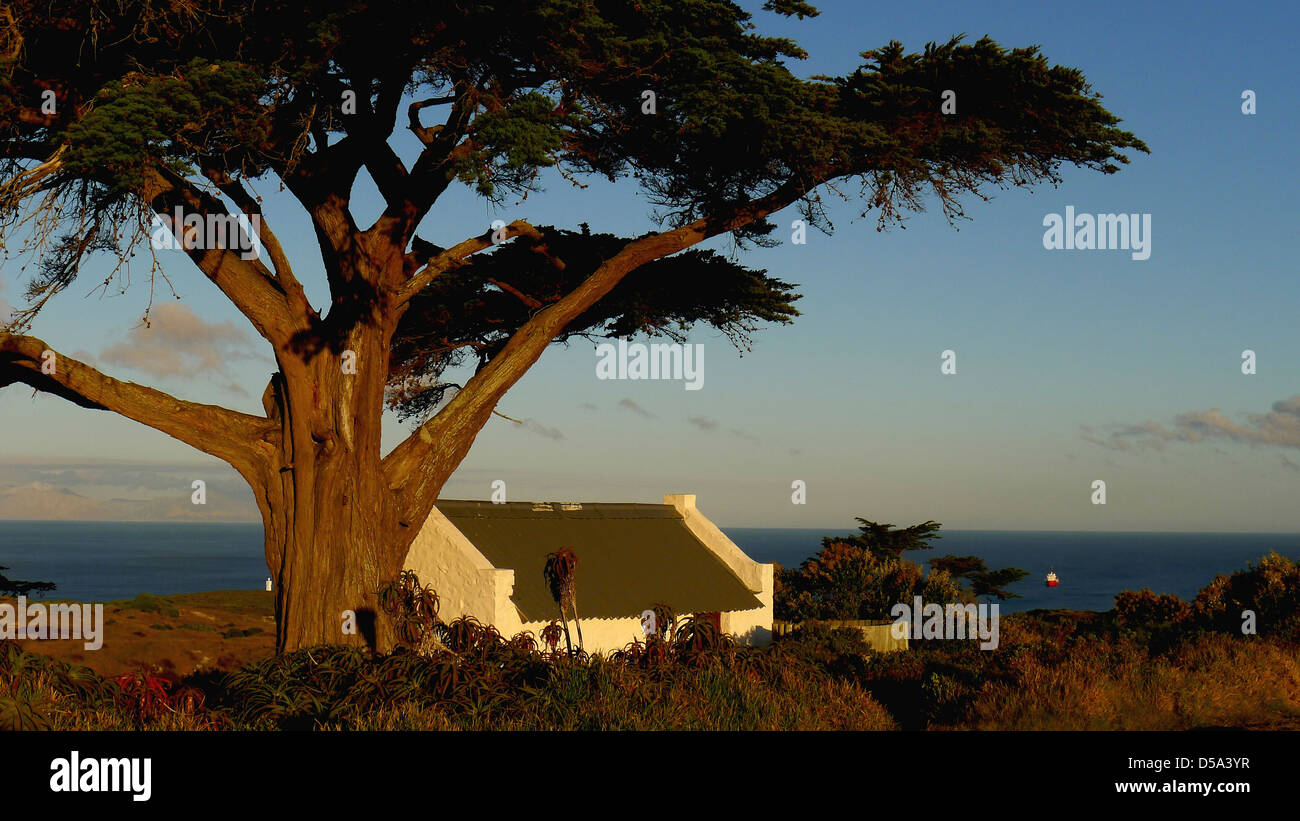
[
  {"x": 982, "y": 581},
  {"x": 469, "y": 314},
  {"x": 887, "y": 542},
  {"x": 232, "y": 91},
  {"x": 14, "y": 587}
]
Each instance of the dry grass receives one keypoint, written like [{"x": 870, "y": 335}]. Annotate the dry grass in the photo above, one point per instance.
[
  {"x": 706, "y": 700},
  {"x": 178, "y": 634},
  {"x": 1053, "y": 671},
  {"x": 1210, "y": 681}
]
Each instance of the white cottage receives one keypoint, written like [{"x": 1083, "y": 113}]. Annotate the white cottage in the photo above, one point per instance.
[{"x": 485, "y": 560}]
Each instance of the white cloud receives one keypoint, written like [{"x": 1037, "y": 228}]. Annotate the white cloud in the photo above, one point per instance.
[
  {"x": 533, "y": 426},
  {"x": 1280, "y": 427},
  {"x": 179, "y": 343}
]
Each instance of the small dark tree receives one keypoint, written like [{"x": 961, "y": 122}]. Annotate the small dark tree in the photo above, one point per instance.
[
  {"x": 862, "y": 577},
  {"x": 13, "y": 587},
  {"x": 885, "y": 542},
  {"x": 982, "y": 581}
]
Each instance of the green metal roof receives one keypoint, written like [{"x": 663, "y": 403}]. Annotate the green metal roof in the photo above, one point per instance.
[{"x": 630, "y": 557}]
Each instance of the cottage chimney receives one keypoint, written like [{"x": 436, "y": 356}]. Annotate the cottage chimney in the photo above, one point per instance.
[{"x": 684, "y": 502}]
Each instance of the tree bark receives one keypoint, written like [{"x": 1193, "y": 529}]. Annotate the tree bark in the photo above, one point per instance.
[{"x": 332, "y": 534}]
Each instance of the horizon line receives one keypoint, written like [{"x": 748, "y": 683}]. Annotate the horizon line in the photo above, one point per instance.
[{"x": 827, "y": 531}]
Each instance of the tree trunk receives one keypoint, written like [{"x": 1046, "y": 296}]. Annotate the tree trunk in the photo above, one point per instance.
[
  {"x": 335, "y": 551},
  {"x": 331, "y": 527}
]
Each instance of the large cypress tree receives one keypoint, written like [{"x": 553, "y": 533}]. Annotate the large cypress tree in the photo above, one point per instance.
[{"x": 111, "y": 112}]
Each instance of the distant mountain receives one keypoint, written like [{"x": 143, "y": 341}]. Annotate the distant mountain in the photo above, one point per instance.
[{"x": 40, "y": 501}]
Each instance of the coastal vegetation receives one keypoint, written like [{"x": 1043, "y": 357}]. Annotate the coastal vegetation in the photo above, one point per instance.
[
  {"x": 14, "y": 587},
  {"x": 1153, "y": 662},
  {"x": 864, "y": 575}
]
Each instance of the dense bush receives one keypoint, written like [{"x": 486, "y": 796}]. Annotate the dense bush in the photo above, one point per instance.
[
  {"x": 1143, "y": 608},
  {"x": 846, "y": 581},
  {"x": 863, "y": 576},
  {"x": 1271, "y": 589},
  {"x": 39, "y": 692}
]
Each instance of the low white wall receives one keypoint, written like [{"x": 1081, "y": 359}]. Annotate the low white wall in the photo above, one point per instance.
[
  {"x": 754, "y": 626},
  {"x": 607, "y": 635},
  {"x": 879, "y": 637},
  {"x": 598, "y": 635}
]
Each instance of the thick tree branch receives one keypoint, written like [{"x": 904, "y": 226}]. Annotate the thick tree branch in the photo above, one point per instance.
[
  {"x": 33, "y": 117},
  {"x": 370, "y": 130},
  {"x": 390, "y": 176},
  {"x": 455, "y": 255},
  {"x": 250, "y": 206},
  {"x": 226, "y": 434},
  {"x": 530, "y": 302},
  {"x": 249, "y": 284},
  {"x": 416, "y": 469},
  {"x": 432, "y": 172},
  {"x": 423, "y": 132},
  {"x": 322, "y": 181}
]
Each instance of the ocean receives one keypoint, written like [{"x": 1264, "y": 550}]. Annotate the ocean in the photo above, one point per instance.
[
  {"x": 1093, "y": 567},
  {"x": 118, "y": 560}
]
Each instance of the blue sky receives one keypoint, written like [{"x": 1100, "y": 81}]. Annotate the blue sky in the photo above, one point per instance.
[{"x": 1057, "y": 351}]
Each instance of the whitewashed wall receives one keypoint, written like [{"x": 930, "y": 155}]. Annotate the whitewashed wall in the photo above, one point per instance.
[
  {"x": 468, "y": 585},
  {"x": 750, "y": 626}
]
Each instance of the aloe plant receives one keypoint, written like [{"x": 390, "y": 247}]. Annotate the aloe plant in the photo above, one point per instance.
[{"x": 560, "y": 573}]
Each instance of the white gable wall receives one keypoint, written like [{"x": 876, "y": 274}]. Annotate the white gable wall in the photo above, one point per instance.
[
  {"x": 468, "y": 584},
  {"x": 750, "y": 626}
]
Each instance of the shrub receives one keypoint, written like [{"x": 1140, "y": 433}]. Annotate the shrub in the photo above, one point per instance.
[
  {"x": 20, "y": 716},
  {"x": 1270, "y": 588},
  {"x": 146, "y": 603},
  {"x": 1143, "y": 608},
  {"x": 412, "y": 607},
  {"x": 846, "y": 581}
]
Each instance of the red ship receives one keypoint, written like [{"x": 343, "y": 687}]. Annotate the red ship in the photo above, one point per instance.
[{"x": 1052, "y": 581}]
